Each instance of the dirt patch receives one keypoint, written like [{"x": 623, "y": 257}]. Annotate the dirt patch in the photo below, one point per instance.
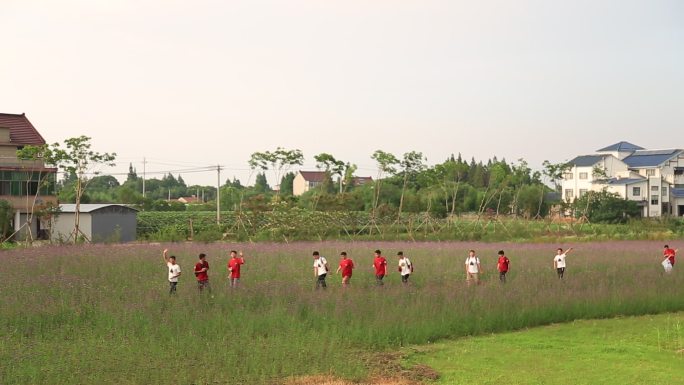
[
  {"x": 387, "y": 370},
  {"x": 325, "y": 380}
]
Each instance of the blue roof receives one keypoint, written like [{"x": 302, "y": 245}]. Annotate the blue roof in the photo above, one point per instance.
[
  {"x": 621, "y": 146},
  {"x": 678, "y": 192},
  {"x": 647, "y": 158},
  {"x": 586, "y": 160},
  {"x": 624, "y": 181}
]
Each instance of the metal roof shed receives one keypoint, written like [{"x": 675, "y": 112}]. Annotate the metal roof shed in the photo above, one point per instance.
[{"x": 98, "y": 222}]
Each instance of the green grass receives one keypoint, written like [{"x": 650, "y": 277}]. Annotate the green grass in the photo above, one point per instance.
[
  {"x": 633, "y": 350},
  {"x": 100, "y": 314}
]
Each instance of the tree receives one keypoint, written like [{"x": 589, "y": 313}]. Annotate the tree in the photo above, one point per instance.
[
  {"x": 330, "y": 166},
  {"x": 103, "y": 182},
  {"x": 348, "y": 179},
  {"x": 606, "y": 207},
  {"x": 555, "y": 172},
  {"x": 6, "y": 214},
  {"x": 261, "y": 184},
  {"x": 279, "y": 161},
  {"x": 386, "y": 165},
  {"x": 411, "y": 163},
  {"x": 77, "y": 158},
  {"x": 39, "y": 156},
  {"x": 132, "y": 174},
  {"x": 287, "y": 184}
]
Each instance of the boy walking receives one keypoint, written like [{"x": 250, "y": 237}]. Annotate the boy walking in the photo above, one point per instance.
[
  {"x": 472, "y": 268},
  {"x": 668, "y": 258},
  {"x": 202, "y": 273},
  {"x": 346, "y": 266},
  {"x": 174, "y": 270},
  {"x": 405, "y": 267},
  {"x": 320, "y": 266},
  {"x": 559, "y": 261},
  {"x": 503, "y": 265},
  {"x": 380, "y": 265},
  {"x": 234, "y": 268}
]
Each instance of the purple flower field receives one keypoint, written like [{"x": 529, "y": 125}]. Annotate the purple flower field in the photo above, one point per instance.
[{"x": 90, "y": 313}]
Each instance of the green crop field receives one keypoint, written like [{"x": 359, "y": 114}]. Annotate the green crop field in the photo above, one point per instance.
[
  {"x": 101, "y": 314},
  {"x": 633, "y": 350}
]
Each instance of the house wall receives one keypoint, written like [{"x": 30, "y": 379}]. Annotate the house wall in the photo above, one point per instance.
[
  {"x": 678, "y": 206},
  {"x": 111, "y": 226},
  {"x": 610, "y": 164},
  {"x": 576, "y": 184},
  {"x": 299, "y": 185},
  {"x": 613, "y": 165},
  {"x": 63, "y": 226}
]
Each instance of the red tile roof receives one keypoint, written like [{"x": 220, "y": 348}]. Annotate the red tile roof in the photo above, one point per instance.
[
  {"x": 21, "y": 130},
  {"x": 192, "y": 199},
  {"x": 313, "y": 176}
]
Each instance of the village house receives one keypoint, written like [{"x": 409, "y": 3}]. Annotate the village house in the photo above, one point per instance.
[
  {"x": 26, "y": 185},
  {"x": 308, "y": 180},
  {"x": 652, "y": 178}
]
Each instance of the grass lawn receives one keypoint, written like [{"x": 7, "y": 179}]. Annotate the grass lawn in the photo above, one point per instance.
[{"x": 632, "y": 350}]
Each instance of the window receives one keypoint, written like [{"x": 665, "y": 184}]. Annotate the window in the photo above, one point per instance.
[
  {"x": 655, "y": 188},
  {"x": 568, "y": 176},
  {"x": 569, "y": 193},
  {"x": 582, "y": 192},
  {"x": 654, "y": 199},
  {"x": 650, "y": 172},
  {"x": 14, "y": 183},
  {"x": 584, "y": 175},
  {"x": 664, "y": 191},
  {"x": 636, "y": 191}
]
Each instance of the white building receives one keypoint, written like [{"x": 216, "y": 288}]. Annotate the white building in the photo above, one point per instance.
[{"x": 653, "y": 178}]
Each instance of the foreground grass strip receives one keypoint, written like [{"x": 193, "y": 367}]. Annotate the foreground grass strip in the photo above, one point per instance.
[{"x": 633, "y": 350}]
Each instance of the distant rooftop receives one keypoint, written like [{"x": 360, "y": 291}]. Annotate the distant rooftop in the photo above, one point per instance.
[
  {"x": 621, "y": 146},
  {"x": 586, "y": 160},
  {"x": 88, "y": 208},
  {"x": 313, "y": 176},
  {"x": 650, "y": 158}
]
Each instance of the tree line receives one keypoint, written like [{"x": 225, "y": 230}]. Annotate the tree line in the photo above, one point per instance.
[{"x": 403, "y": 184}]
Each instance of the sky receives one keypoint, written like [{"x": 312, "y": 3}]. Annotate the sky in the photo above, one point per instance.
[{"x": 187, "y": 84}]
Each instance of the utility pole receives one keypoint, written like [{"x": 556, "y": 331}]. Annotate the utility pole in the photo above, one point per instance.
[
  {"x": 144, "y": 164},
  {"x": 218, "y": 194}
]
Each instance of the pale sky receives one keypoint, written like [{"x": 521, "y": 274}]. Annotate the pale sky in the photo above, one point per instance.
[{"x": 195, "y": 83}]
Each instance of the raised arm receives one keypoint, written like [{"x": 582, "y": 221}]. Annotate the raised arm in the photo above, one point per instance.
[
  {"x": 165, "y": 255},
  {"x": 568, "y": 251}
]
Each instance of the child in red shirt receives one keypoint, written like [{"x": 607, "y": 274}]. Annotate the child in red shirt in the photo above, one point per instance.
[
  {"x": 503, "y": 265},
  {"x": 669, "y": 254},
  {"x": 346, "y": 265},
  {"x": 202, "y": 273},
  {"x": 380, "y": 264},
  {"x": 234, "y": 268}
]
